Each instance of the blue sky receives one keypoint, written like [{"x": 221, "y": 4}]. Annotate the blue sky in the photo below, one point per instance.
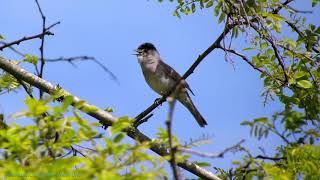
[{"x": 226, "y": 94}]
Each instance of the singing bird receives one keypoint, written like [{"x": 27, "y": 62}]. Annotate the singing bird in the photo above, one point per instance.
[{"x": 162, "y": 78}]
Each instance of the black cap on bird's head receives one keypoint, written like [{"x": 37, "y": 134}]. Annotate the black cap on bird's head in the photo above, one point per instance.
[{"x": 146, "y": 47}]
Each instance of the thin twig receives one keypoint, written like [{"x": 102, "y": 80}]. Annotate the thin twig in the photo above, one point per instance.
[
  {"x": 213, "y": 155},
  {"x": 299, "y": 11},
  {"x": 71, "y": 59},
  {"x": 270, "y": 158},
  {"x": 276, "y": 11},
  {"x": 172, "y": 149},
  {"x": 26, "y": 38},
  {"x": 25, "y": 88},
  {"x": 248, "y": 61},
  {"x": 40, "y": 74},
  {"x": 300, "y": 33},
  {"x": 75, "y": 151},
  {"x": 90, "y": 149},
  {"x": 85, "y": 58},
  {"x": 275, "y": 50},
  {"x": 138, "y": 123}
]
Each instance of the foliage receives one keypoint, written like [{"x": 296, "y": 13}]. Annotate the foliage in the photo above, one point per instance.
[{"x": 50, "y": 147}]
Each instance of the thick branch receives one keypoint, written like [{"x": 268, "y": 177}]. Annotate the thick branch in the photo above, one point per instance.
[{"x": 99, "y": 114}]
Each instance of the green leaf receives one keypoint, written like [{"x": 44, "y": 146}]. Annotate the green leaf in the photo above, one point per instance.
[
  {"x": 263, "y": 45},
  {"x": 314, "y": 3},
  {"x": 248, "y": 49},
  {"x": 209, "y": 4},
  {"x": 175, "y": 13},
  {"x": 118, "y": 137},
  {"x": 276, "y": 17},
  {"x": 261, "y": 120},
  {"x": 30, "y": 59},
  {"x": 221, "y": 18},
  {"x": 67, "y": 100},
  {"x": 201, "y": 164},
  {"x": 193, "y": 7},
  {"x": 108, "y": 109},
  {"x": 119, "y": 125},
  {"x": 300, "y": 74},
  {"x": 35, "y": 107},
  {"x": 246, "y": 123},
  {"x": 216, "y": 10},
  {"x": 305, "y": 84}
]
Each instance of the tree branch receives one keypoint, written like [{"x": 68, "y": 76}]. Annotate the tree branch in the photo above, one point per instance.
[
  {"x": 71, "y": 59},
  {"x": 85, "y": 58},
  {"x": 26, "y": 38},
  {"x": 275, "y": 50},
  {"x": 213, "y": 155},
  {"x": 172, "y": 149},
  {"x": 269, "y": 158},
  {"x": 40, "y": 74},
  {"x": 99, "y": 114}
]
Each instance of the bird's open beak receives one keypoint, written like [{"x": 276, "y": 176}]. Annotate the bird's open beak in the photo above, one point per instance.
[{"x": 136, "y": 52}]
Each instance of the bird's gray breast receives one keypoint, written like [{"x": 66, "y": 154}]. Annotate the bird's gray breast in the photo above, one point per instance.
[{"x": 156, "y": 78}]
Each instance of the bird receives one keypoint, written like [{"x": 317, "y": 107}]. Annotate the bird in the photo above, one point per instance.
[{"x": 162, "y": 78}]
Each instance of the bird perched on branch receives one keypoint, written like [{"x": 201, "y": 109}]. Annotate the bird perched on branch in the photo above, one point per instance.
[{"x": 162, "y": 78}]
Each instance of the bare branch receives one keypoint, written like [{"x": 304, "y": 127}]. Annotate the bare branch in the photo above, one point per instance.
[
  {"x": 276, "y": 11},
  {"x": 86, "y": 58},
  {"x": 269, "y": 158},
  {"x": 26, "y": 38},
  {"x": 26, "y": 89},
  {"x": 172, "y": 149},
  {"x": 299, "y": 11},
  {"x": 221, "y": 154},
  {"x": 71, "y": 60},
  {"x": 40, "y": 74},
  {"x": 243, "y": 57},
  {"x": 75, "y": 151},
  {"x": 138, "y": 123}
]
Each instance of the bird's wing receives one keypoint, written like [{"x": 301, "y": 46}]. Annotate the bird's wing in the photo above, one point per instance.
[{"x": 174, "y": 75}]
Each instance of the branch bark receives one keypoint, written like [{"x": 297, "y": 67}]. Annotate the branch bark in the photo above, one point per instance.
[{"x": 99, "y": 114}]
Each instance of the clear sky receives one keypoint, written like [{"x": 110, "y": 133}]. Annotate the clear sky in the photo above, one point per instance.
[{"x": 226, "y": 94}]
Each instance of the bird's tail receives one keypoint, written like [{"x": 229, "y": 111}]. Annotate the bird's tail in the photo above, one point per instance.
[{"x": 187, "y": 102}]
